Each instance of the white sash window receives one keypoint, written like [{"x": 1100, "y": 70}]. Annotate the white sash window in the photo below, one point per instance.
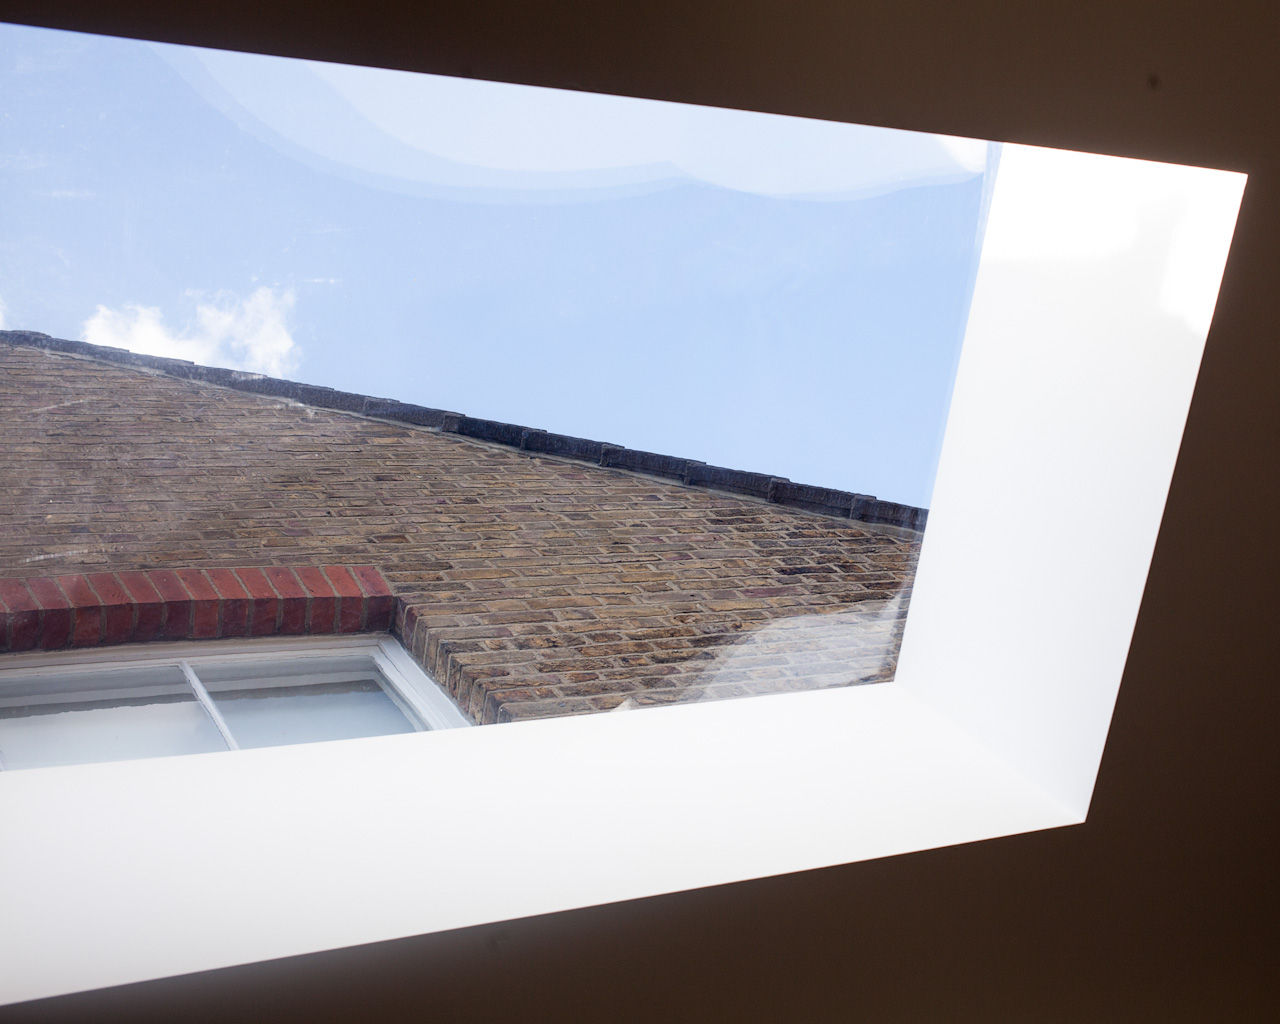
[{"x": 163, "y": 699}]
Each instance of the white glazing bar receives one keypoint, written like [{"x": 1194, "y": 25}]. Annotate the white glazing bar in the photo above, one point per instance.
[{"x": 202, "y": 695}]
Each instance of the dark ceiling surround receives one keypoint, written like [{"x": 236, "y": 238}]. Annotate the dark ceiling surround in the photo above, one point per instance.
[{"x": 1163, "y": 906}]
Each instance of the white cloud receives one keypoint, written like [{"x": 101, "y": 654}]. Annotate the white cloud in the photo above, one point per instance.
[
  {"x": 244, "y": 334},
  {"x": 3, "y": 308}
]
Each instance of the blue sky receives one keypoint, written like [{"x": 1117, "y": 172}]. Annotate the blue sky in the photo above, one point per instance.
[{"x": 767, "y": 293}]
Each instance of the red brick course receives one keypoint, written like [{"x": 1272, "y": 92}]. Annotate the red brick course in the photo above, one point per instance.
[
  {"x": 204, "y": 604},
  {"x": 21, "y": 615},
  {"x": 350, "y": 598},
  {"x": 117, "y": 607},
  {"x": 86, "y": 610},
  {"x": 264, "y": 602},
  {"x": 293, "y": 599},
  {"x": 148, "y": 606},
  {"x": 233, "y": 600}
]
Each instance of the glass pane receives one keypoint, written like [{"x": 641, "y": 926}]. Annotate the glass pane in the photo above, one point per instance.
[
  {"x": 807, "y": 267},
  {"x": 321, "y": 699},
  {"x": 78, "y": 718}
]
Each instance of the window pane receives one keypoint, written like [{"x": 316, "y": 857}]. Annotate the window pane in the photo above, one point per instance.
[
  {"x": 303, "y": 701},
  {"x": 77, "y": 719},
  {"x": 306, "y": 714}
]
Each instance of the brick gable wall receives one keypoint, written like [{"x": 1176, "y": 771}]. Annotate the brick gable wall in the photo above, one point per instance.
[{"x": 527, "y": 584}]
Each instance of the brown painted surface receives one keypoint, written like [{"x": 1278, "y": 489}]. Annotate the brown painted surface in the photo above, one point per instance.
[
  {"x": 1163, "y": 907},
  {"x": 529, "y": 586}
]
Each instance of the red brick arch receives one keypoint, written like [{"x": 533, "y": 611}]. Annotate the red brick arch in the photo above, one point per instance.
[{"x": 89, "y": 609}]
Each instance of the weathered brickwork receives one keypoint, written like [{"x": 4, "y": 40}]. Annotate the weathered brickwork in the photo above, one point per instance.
[{"x": 529, "y": 585}]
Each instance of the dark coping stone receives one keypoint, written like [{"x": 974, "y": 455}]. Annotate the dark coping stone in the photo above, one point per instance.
[
  {"x": 178, "y": 368},
  {"x": 861, "y": 505},
  {"x": 34, "y": 340},
  {"x": 405, "y": 412},
  {"x": 64, "y": 345},
  {"x": 885, "y": 510},
  {"x": 890, "y": 513},
  {"x": 183, "y": 368},
  {"x": 257, "y": 384},
  {"x": 826, "y": 500},
  {"x": 561, "y": 444},
  {"x": 736, "y": 480},
  {"x": 670, "y": 466},
  {"x": 490, "y": 430},
  {"x": 173, "y": 367},
  {"x": 27, "y": 338},
  {"x": 217, "y": 375},
  {"x": 328, "y": 398},
  {"x": 132, "y": 358}
]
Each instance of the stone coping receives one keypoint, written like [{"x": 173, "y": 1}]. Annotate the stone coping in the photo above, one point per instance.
[{"x": 691, "y": 472}]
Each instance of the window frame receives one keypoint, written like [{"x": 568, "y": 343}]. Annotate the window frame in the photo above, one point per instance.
[{"x": 409, "y": 686}]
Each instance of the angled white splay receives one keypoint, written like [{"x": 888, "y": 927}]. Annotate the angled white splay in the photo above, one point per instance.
[{"x": 1072, "y": 391}]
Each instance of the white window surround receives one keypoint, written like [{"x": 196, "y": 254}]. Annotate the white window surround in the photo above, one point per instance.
[{"x": 1093, "y": 298}]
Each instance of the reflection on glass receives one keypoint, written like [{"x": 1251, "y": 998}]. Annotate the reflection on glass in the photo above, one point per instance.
[
  {"x": 268, "y": 703},
  {"x": 276, "y": 715},
  {"x": 150, "y": 714},
  {"x": 801, "y": 267}
]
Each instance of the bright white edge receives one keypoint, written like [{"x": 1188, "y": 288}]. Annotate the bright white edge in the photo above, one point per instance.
[{"x": 1072, "y": 391}]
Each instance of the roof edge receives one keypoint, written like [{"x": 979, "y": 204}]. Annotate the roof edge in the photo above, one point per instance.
[{"x": 825, "y": 501}]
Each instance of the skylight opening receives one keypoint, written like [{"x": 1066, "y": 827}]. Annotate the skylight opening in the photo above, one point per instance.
[
  {"x": 1074, "y": 381},
  {"x": 762, "y": 306},
  {"x": 684, "y": 285}
]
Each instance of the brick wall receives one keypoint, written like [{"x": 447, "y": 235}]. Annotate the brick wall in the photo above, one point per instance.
[{"x": 528, "y": 584}]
